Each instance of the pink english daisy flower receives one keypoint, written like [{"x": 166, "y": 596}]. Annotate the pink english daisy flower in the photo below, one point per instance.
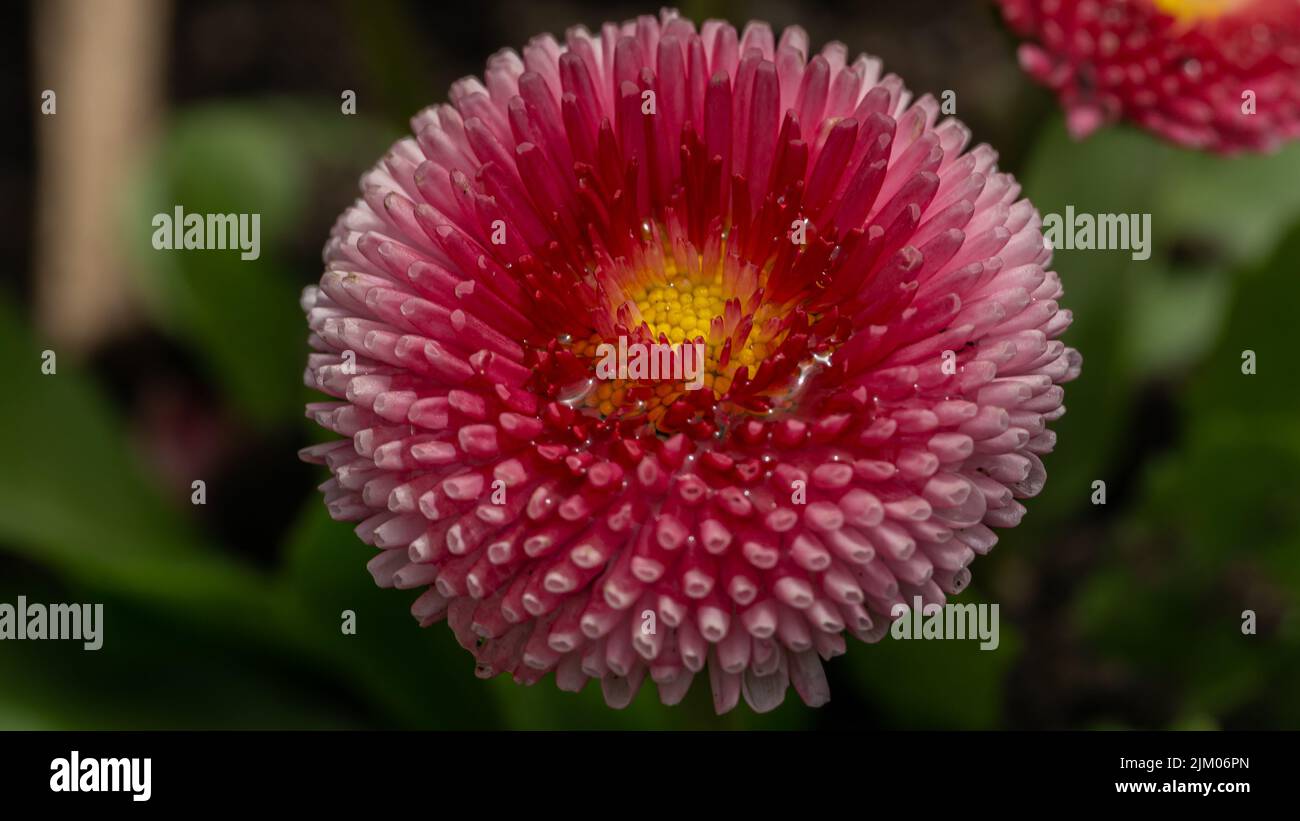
[
  {"x": 1222, "y": 75},
  {"x": 881, "y": 359}
]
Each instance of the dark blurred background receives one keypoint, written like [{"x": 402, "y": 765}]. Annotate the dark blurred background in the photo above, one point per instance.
[{"x": 174, "y": 367}]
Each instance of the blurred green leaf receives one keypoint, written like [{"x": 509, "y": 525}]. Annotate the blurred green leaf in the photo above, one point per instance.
[
  {"x": 1217, "y": 530},
  {"x": 422, "y": 678},
  {"x": 152, "y": 673},
  {"x": 76, "y": 500},
  {"x": 77, "y": 503},
  {"x": 1244, "y": 204},
  {"x": 1261, "y": 320},
  {"x": 1134, "y": 318},
  {"x": 1176, "y": 315},
  {"x": 1114, "y": 172},
  {"x": 242, "y": 316},
  {"x": 933, "y": 684}
]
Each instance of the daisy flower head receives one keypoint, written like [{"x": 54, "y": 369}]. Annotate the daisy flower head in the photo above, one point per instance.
[{"x": 877, "y": 331}]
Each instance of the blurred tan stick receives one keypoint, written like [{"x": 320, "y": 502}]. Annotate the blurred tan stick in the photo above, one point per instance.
[{"x": 105, "y": 62}]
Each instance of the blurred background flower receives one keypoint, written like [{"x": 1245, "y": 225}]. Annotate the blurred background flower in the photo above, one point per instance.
[
  {"x": 1221, "y": 75},
  {"x": 176, "y": 367}
]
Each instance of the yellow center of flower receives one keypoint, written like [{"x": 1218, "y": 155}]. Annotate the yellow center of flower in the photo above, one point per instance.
[
  {"x": 1192, "y": 11},
  {"x": 682, "y": 310}
]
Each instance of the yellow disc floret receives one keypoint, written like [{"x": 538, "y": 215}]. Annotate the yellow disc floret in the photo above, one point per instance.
[
  {"x": 1190, "y": 11},
  {"x": 682, "y": 309}
]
